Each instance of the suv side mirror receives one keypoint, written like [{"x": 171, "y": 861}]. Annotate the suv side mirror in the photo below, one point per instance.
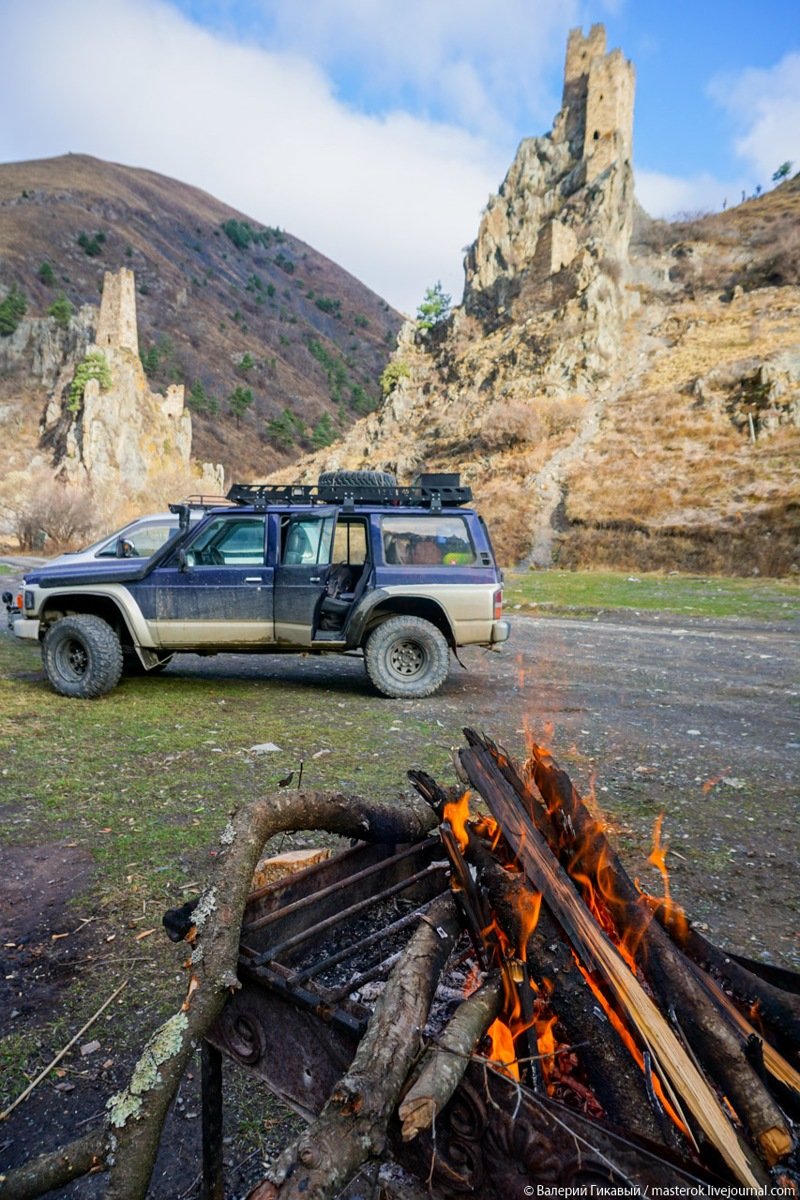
[{"x": 185, "y": 563}]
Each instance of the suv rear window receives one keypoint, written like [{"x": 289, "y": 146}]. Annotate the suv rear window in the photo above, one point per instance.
[{"x": 427, "y": 541}]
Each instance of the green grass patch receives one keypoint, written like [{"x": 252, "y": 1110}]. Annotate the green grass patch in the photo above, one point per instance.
[{"x": 578, "y": 593}]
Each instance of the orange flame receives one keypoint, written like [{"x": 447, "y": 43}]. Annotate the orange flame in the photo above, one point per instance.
[
  {"x": 457, "y": 813},
  {"x": 529, "y": 905},
  {"x": 501, "y": 1049},
  {"x": 658, "y": 857}
]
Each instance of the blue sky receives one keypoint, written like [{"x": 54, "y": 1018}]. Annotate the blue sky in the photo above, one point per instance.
[{"x": 375, "y": 130}]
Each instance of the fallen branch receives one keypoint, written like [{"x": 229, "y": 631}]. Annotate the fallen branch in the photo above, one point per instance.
[
  {"x": 55, "y": 1061},
  {"x": 136, "y": 1114}
]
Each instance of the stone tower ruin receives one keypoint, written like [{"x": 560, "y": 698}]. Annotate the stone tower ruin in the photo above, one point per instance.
[
  {"x": 598, "y": 98},
  {"x": 116, "y": 324},
  {"x": 537, "y": 231}
]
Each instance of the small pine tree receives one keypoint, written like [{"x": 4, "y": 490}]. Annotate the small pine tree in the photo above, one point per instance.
[
  {"x": 783, "y": 172},
  {"x": 46, "y": 274},
  {"x": 12, "y": 310},
  {"x": 93, "y": 366},
  {"x": 435, "y": 307},
  {"x": 239, "y": 401},
  {"x": 324, "y": 432},
  {"x": 60, "y": 310},
  {"x": 245, "y": 364}
]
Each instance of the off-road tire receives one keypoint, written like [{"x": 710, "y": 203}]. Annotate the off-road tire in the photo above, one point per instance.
[
  {"x": 82, "y": 657},
  {"x": 407, "y": 657},
  {"x": 357, "y": 479}
]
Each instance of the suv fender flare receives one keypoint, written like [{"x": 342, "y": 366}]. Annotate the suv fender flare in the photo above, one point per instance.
[
  {"x": 120, "y": 599},
  {"x": 419, "y": 606}
]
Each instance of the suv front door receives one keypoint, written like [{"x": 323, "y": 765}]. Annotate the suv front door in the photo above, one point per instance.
[
  {"x": 220, "y": 594},
  {"x": 303, "y": 564}
]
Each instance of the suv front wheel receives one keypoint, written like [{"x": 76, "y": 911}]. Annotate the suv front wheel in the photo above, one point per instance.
[
  {"x": 407, "y": 657},
  {"x": 82, "y": 657}
]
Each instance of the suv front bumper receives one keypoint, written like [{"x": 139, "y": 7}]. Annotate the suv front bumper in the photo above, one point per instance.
[{"x": 24, "y": 627}]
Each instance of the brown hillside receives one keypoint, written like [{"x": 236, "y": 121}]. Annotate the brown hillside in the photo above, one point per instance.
[{"x": 318, "y": 339}]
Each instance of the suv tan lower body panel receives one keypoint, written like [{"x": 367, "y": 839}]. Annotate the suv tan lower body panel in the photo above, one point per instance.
[{"x": 469, "y": 607}]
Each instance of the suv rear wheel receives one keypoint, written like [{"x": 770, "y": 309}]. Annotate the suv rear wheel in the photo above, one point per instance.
[
  {"x": 407, "y": 657},
  {"x": 82, "y": 657}
]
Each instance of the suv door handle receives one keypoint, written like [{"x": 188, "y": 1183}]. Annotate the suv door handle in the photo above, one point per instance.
[
  {"x": 315, "y": 579},
  {"x": 253, "y": 579}
]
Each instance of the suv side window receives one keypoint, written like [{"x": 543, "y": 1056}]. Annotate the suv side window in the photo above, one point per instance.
[
  {"x": 145, "y": 539},
  {"x": 229, "y": 542},
  {"x": 350, "y": 543},
  {"x": 427, "y": 541},
  {"x": 306, "y": 540}
]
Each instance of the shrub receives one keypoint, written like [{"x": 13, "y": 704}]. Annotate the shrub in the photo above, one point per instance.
[
  {"x": 326, "y": 305},
  {"x": 93, "y": 246},
  {"x": 93, "y": 366},
  {"x": 510, "y": 423},
  {"x": 199, "y": 400},
  {"x": 324, "y": 432},
  {"x": 46, "y": 274},
  {"x": 12, "y": 310},
  {"x": 60, "y": 310},
  {"x": 392, "y": 374},
  {"x": 245, "y": 363},
  {"x": 360, "y": 321},
  {"x": 49, "y": 511}
]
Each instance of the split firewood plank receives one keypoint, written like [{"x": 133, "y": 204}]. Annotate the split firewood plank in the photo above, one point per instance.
[
  {"x": 601, "y": 958},
  {"x": 712, "y": 1038},
  {"x": 352, "y": 1126},
  {"x": 444, "y": 1063}
]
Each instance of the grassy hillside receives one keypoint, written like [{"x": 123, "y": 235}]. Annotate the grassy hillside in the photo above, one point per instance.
[{"x": 223, "y": 303}]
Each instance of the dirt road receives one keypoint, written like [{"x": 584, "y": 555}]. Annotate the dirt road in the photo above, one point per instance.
[{"x": 697, "y": 719}]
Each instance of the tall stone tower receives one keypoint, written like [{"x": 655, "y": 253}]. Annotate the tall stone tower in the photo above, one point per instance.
[
  {"x": 598, "y": 100},
  {"x": 547, "y": 225},
  {"x": 116, "y": 324}
]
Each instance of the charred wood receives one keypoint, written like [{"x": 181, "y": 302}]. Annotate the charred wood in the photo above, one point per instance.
[
  {"x": 444, "y": 1063},
  {"x": 352, "y": 1126},
  {"x": 708, "y": 1031},
  {"x": 600, "y": 957}
]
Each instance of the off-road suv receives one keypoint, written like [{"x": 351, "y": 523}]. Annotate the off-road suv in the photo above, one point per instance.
[{"x": 404, "y": 575}]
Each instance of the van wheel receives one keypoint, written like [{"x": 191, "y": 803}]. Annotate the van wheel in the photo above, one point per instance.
[
  {"x": 82, "y": 657},
  {"x": 407, "y": 657}
]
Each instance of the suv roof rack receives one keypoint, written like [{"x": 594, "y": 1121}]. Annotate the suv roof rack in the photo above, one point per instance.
[{"x": 263, "y": 495}]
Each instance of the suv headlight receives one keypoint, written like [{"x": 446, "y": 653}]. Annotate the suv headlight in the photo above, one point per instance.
[{"x": 29, "y": 599}]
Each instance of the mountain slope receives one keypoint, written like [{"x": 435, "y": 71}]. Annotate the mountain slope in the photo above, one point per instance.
[
  {"x": 222, "y": 303},
  {"x": 618, "y": 391}
]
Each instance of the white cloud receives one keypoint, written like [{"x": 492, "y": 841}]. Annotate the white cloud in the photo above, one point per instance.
[
  {"x": 457, "y": 59},
  {"x": 391, "y": 198},
  {"x": 668, "y": 196},
  {"x": 765, "y": 104}
]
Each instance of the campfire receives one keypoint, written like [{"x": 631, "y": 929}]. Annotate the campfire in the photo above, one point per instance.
[{"x": 589, "y": 1036}]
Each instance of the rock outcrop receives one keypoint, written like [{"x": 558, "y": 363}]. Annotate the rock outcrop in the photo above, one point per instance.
[
  {"x": 113, "y": 430},
  {"x": 617, "y": 391}
]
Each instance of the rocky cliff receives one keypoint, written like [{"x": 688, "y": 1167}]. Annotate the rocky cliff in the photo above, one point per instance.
[{"x": 616, "y": 390}]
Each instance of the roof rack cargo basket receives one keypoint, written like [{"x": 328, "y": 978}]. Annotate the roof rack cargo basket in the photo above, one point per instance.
[{"x": 263, "y": 495}]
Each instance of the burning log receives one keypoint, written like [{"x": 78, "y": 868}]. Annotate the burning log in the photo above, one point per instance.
[
  {"x": 582, "y": 841},
  {"x": 352, "y": 1126},
  {"x": 775, "y": 1007},
  {"x": 444, "y": 1064},
  {"x": 602, "y": 960}
]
